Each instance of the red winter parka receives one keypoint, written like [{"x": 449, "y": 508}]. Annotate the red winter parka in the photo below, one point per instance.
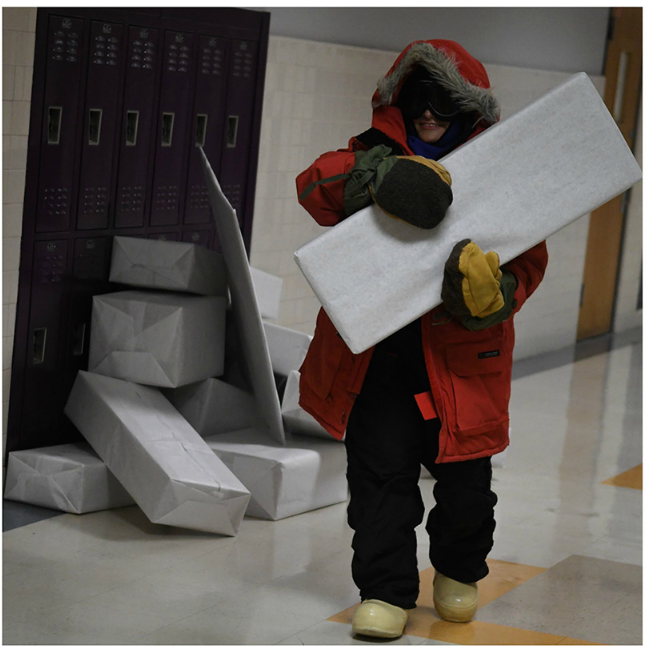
[{"x": 469, "y": 371}]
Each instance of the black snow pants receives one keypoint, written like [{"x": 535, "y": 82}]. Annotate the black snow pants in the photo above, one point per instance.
[{"x": 387, "y": 440}]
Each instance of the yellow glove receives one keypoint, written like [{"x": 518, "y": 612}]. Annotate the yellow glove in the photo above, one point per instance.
[{"x": 471, "y": 281}]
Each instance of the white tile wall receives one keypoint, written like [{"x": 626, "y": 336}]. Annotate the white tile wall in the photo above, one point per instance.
[{"x": 18, "y": 40}]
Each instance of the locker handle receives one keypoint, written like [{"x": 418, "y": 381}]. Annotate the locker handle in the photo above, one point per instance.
[
  {"x": 167, "y": 128},
  {"x": 54, "y": 118},
  {"x": 201, "y": 129},
  {"x": 94, "y": 127},
  {"x": 38, "y": 345},
  {"x": 78, "y": 339},
  {"x": 132, "y": 122},
  {"x": 232, "y": 131}
]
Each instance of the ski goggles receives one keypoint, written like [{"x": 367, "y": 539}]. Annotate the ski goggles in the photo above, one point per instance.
[{"x": 421, "y": 92}]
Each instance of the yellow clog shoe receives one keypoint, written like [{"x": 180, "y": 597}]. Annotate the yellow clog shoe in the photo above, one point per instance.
[
  {"x": 453, "y": 600},
  {"x": 375, "y": 618}
]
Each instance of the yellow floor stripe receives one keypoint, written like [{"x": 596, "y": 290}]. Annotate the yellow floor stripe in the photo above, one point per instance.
[
  {"x": 632, "y": 478},
  {"x": 503, "y": 577}
]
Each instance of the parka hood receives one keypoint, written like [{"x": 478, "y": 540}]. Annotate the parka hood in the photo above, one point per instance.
[{"x": 452, "y": 66}]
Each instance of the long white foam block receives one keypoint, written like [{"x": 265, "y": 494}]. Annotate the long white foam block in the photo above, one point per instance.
[
  {"x": 267, "y": 289},
  {"x": 287, "y": 347},
  {"x": 254, "y": 353},
  {"x": 214, "y": 406},
  {"x": 305, "y": 474},
  {"x": 161, "y": 461},
  {"x": 296, "y": 419},
  {"x": 514, "y": 185},
  {"x": 68, "y": 477},
  {"x": 168, "y": 264},
  {"x": 158, "y": 338}
]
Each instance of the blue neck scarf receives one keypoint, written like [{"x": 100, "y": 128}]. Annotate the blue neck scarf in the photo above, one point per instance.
[{"x": 437, "y": 150}]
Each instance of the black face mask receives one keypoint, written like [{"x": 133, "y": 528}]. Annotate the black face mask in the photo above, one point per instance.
[{"x": 421, "y": 92}]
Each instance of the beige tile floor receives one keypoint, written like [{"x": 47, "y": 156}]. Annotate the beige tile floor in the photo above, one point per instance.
[{"x": 565, "y": 569}]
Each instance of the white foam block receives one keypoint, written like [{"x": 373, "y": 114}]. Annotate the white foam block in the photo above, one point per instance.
[
  {"x": 305, "y": 474},
  {"x": 167, "y": 264},
  {"x": 253, "y": 348},
  {"x": 267, "y": 289},
  {"x": 296, "y": 419},
  {"x": 214, "y": 406},
  {"x": 158, "y": 458},
  {"x": 514, "y": 185},
  {"x": 67, "y": 477},
  {"x": 157, "y": 338},
  {"x": 288, "y": 348}
]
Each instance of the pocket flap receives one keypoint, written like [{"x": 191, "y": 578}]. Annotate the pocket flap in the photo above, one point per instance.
[{"x": 476, "y": 359}]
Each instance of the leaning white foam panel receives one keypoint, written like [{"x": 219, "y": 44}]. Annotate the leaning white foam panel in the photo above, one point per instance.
[
  {"x": 514, "y": 185},
  {"x": 161, "y": 461},
  {"x": 253, "y": 353}
]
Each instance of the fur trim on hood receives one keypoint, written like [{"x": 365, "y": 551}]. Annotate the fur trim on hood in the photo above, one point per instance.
[{"x": 452, "y": 66}]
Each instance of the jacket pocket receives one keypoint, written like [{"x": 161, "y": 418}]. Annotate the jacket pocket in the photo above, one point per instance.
[{"x": 480, "y": 374}]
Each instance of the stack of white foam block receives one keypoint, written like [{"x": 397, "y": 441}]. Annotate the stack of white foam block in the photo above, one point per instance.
[{"x": 158, "y": 384}]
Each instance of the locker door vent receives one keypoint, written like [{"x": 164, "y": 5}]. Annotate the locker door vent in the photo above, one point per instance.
[
  {"x": 211, "y": 61},
  {"x": 198, "y": 197},
  {"x": 95, "y": 200},
  {"x": 167, "y": 198},
  {"x": 131, "y": 199}
]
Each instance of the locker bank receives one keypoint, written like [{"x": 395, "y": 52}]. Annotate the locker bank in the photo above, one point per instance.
[{"x": 106, "y": 111}]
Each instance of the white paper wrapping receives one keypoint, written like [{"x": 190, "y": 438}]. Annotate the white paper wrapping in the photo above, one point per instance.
[
  {"x": 67, "y": 477},
  {"x": 267, "y": 289},
  {"x": 157, "y": 338},
  {"x": 158, "y": 458},
  {"x": 296, "y": 419},
  {"x": 288, "y": 348},
  {"x": 514, "y": 185},
  {"x": 167, "y": 264},
  {"x": 254, "y": 354},
  {"x": 214, "y": 406},
  {"x": 305, "y": 474}
]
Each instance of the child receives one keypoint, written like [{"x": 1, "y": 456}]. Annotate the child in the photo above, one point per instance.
[{"x": 436, "y": 392}]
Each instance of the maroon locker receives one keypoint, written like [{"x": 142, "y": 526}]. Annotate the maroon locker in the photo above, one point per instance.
[
  {"x": 239, "y": 111},
  {"x": 56, "y": 190},
  {"x": 137, "y": 126},
  {"x": 172, "y": 135},
  {"x": 100, "y": 124},
  {"x": 208, "y": 114},
  {"x": 44, "y": 365},
  {"x": 198, "y": 67},
  {"x": 90, "y": 268}
]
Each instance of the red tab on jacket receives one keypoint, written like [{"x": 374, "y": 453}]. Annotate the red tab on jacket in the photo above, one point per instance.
[{"x": 426, "y": 405}]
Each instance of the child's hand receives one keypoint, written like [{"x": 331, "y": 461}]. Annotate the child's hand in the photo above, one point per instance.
[
  {"x": 414, "y": 189},
  {"x": 471, "y": 281}
]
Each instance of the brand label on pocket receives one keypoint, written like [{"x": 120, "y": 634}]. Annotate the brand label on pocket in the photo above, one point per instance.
[{"x": 489, "y": 354}]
